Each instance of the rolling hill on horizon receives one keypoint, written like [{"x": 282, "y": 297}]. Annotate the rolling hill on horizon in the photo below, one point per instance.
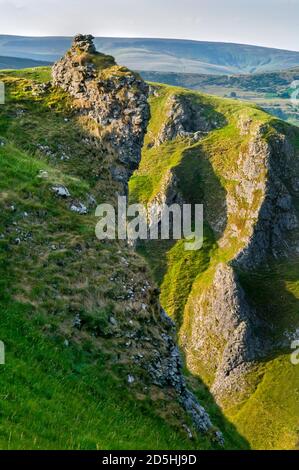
[
  {"x": 165, "y": 55},
  {"x": 20, "y": 63}
]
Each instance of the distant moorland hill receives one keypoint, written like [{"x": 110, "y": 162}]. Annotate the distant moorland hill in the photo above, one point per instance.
[
  {"x": 166, "y": 55},
  {"x": 17, "y": 63}
]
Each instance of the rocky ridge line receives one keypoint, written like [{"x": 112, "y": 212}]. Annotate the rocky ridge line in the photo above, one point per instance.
[
  {"x": 116, "y": 99},
  {"x": 185, "y": 118},
  {"x": 226, "y": 333}
]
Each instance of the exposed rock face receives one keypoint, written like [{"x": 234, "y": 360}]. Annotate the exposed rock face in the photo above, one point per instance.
[
  {"x": 114, "y": 97},
  {"x": 274, "y": 216},
  {"x": 257, "y": 222},
  {"x": 185, "y": 118},
  {"x": 166, "y": 370},
  {"x": 226, "y": 333},
  {"x": 260, "y": 202}
]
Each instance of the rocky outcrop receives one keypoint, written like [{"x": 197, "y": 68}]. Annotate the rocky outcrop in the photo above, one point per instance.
[
  {"x": 270, "y": 215},
  {"x": 114, "y": 97},
  {"x": 259, "y": 207},
  {"x": 257, "y": 221},
  {"x": 168, "y": 195},
  {"x": 186, "y": 118},
  {"x": 226, "y": 335}
]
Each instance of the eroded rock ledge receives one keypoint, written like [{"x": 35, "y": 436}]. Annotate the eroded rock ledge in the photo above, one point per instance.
[
  {"x": 186, "y": 119},
  {"x": 272, "y": 218},
  {"x": 226, "y": 335},
  {"x": 111, "y": 95}
]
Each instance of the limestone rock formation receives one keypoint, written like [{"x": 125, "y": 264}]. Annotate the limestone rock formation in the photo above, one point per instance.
[
  {"x": 168, "y": 195},
  {"x": 226, "y": 333},
  {"x": 269, "y": 222},
  {"x": 245, "y": 168},
  {"x": 165, "y": 369},
  {"x": 114, "y": 97},
  {"x": 185, "y": 118}
]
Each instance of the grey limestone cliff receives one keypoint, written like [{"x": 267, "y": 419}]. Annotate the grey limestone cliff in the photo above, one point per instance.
[{"x": 114, "y": 97}]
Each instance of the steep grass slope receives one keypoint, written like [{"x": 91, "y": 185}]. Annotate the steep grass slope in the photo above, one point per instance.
[
  {"x": 17, "y": 63},
  {"x": 206, "y": 168},
  {"x": 70, "y": 304}
]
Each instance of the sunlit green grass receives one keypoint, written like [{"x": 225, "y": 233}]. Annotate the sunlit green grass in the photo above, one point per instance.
[
  {"x": 269, "y": 419},
  {"x": 60, "y": 389}
]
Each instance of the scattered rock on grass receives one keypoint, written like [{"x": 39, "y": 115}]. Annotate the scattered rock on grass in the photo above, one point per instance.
[
  {"x": 61, "y": 191},
  {"x": 79, "y": 208}
]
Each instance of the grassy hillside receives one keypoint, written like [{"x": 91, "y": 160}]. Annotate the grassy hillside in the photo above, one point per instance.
[
  {"x": 272, "y": 90},
  {"x": 17, "y": 63},
  {"x": 64, "y": 384},
  {"x": 268, "y": 416},
  {"x": 167, "y": 55}
]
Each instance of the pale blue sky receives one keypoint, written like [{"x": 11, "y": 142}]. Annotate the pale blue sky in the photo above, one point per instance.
[{"x": 273, "y": 23}]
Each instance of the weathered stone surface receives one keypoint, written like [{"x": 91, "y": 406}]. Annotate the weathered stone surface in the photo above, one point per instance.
[
  {"x": 226, "y": 332},
  {"x": 264, "y": 169},
  {"x": 244, "y": 125},
  {"x": 166, "y": 370},
  {"x": 168, "y": 195},
  {"x": 79, "y": 208},
  {"x": 186, "y": 119},
  {"x": 114, "y": 97},
  {"x": 61, "y": 191}
]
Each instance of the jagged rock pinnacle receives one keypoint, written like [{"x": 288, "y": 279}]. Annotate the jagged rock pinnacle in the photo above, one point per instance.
[
  {"x": 113, "y": 96},
  {"x": 84, "y": 42}
]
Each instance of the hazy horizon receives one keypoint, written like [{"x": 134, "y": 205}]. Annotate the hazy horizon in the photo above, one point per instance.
[
  {"x": 147, "y": 37},
  {"x": 233, "y": 21}
]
